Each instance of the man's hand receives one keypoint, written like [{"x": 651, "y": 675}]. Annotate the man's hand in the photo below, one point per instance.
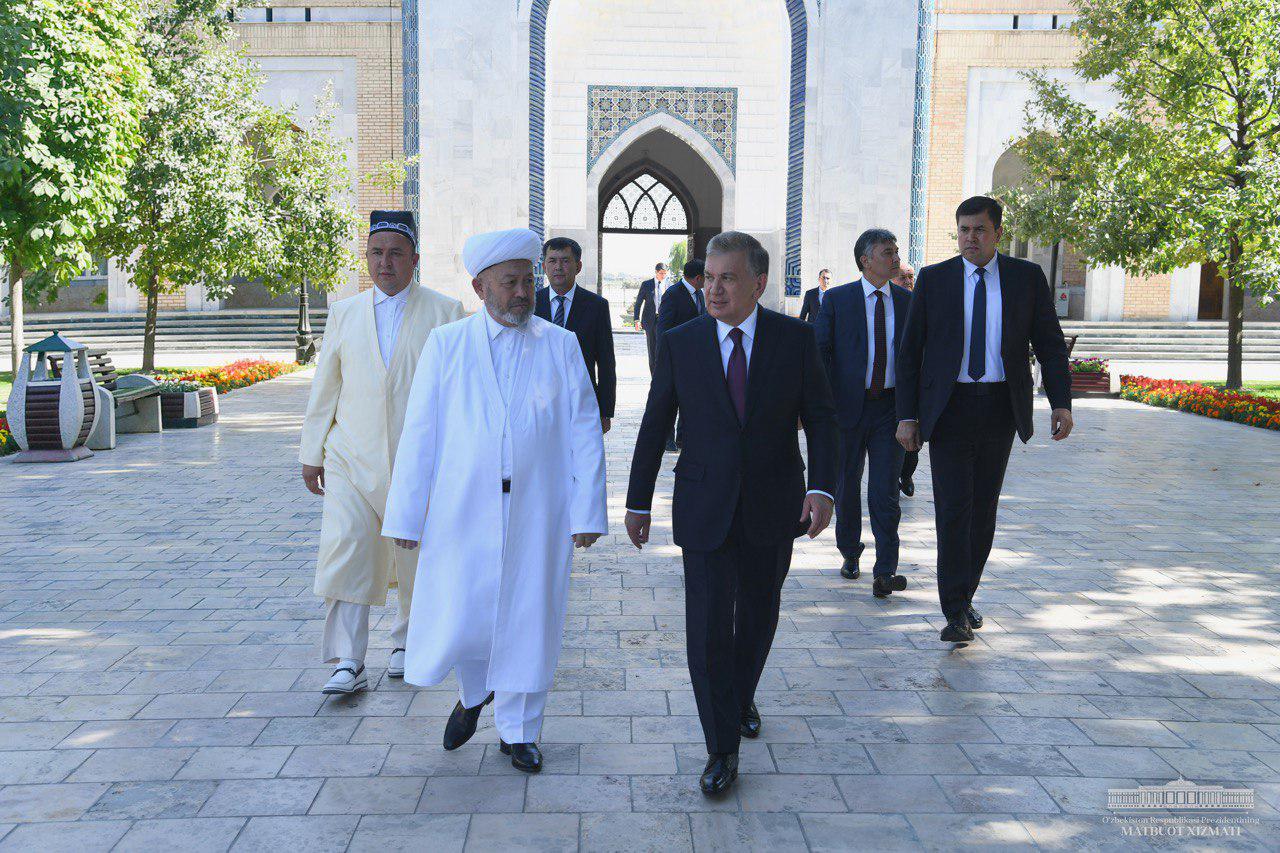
[
  {"x": 638, "y": 528},
  {"x": 1060, "y": 423},
  {"x": 606, "y": 424},
  {"x": 585, "y": 540},
  {"x": 313, "y": 476},
  {"x": 908, "y": 435},
  {"x": 407, "y": 544},
  {"x": 817, "y": 508}
]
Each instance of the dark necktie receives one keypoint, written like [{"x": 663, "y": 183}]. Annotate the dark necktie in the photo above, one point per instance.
[
  {"x": 697, "y": 300},
  {"x": 559, "y": 318},
  {"x": 736, "y": 375},
  {"x": 978, "y": 329},
  {"x": 881, "y": 360}
]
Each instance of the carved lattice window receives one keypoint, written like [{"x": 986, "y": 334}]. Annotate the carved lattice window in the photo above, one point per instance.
[{"x": 646, "y": 204}]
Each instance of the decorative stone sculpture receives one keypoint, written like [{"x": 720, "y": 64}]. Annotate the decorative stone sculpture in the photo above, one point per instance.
[{"x": 51, "y": 418}]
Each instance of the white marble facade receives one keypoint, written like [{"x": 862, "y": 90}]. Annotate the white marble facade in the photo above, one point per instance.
[{"x": 474, "y": 75}]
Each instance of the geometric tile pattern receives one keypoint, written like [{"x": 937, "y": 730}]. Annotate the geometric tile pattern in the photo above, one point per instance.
[
  {"x": 926, "y": 22},
  {"x": 711, "y": 111}
]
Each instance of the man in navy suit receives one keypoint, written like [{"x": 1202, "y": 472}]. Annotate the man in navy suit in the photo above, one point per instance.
[
  {"x": 582, "y": 312},
  {"x": 680, "y": 304},
  {"x": 813, "y": 297},
  {"x": 858, "y": 329},
  {"x": 745, "y": 376},
  {"x": 964, "y": 386},
  {"x": 645, "y": 313}
]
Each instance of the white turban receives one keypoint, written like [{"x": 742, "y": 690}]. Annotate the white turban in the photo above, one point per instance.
[{"x": 484, "y": 250}]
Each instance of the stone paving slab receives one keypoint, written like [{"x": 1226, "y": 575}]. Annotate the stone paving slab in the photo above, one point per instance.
[{"x": 159, "y": 672}]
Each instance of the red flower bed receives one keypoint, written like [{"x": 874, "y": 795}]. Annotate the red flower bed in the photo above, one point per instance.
[
  {"x": 238, "y": 374},
  {"x": 7, "y": 444},
  {"x": 1203, "y": 400}
]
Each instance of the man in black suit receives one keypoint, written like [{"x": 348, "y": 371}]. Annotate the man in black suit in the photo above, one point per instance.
[
  {"x": 645, "y": 313},
  {"x": 582, "y": 312},
  {"x": 857, "y": 330},
  {"x": 813, "y": 297},
  {"x": 679, "y": 305},
  {"x": 911, "y": 459},
  {"x": 964, "y": 386},
  {"x": 746, "y": 375}
]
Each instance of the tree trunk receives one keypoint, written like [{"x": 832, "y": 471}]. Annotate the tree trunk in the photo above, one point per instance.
[
  {"x": 16, "y": 342},
  {"x": 1235, "y": 319},
  {"x": 149, "y": 329}
]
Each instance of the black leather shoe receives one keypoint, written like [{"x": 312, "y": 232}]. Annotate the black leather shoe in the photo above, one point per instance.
[
  {"x": 850, "y": 569},
  {"x": 974, "y": 617},
  {"x": 907, "y": 487},
  {"x": 750, "y": 722},
  {"x": 671, "y": 446},
  {"x": 524, "y": 756},
  {"x": 882, "y": 586},
  {"x": 957, "y": 631},
  {"x": 718, "y": 775},
  {"x": 462, "y": 724}
]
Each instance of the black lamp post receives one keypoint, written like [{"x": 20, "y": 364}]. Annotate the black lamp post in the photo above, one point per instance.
[{"x": 306, "y": 344}]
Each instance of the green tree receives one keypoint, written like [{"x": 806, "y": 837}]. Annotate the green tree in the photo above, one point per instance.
[
  {"x": 306, "y": 183},
  {"x": 72, "y": 84},
  {"x": 192, "y": 215},
  {"x": 1186, "y": 169},
  {"x": 679, "y": 254}
]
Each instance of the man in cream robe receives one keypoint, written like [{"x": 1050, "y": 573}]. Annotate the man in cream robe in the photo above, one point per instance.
[
  {"x": 367, "y": 360},
  {"x": 499, "y": 474}
]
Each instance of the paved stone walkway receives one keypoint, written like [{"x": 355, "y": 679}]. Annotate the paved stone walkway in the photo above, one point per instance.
[{"x": 159, "y": 676}]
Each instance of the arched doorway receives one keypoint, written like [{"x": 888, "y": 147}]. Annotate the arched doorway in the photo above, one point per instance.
[{"x": 651, "y": 190}]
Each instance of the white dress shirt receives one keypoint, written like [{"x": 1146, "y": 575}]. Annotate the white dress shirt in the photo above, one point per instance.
[
  {"x": 505, "y": 343},
  {"x": 869, "y": 302},
  {"x": 995, "y": 365},
  {"x": 568, "y": 302},
  {"x": 388, "y": 314}
]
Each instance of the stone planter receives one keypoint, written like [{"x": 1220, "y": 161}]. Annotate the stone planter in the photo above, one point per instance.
[
  {"x": 51, "y": 418},
  {"x": 1091, "y": 385},
  {"x": 187, "y": 409}
]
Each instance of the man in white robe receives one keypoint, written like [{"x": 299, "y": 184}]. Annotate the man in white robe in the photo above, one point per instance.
[
  {"x": 499, "y": 475},
  {"x": 367, "y": 358}
]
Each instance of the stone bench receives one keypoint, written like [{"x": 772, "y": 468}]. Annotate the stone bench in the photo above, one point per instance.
[{"x": 126, "y": 404}]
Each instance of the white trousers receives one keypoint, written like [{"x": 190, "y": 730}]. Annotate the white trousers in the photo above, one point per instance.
[
  {"x": 517, "y": 716},
  {"x": 346, "y": 631}
]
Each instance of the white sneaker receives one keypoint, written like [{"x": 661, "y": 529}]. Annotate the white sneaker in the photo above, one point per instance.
[
  {"x": 395, "y": 667},
  {"x": 345, "y": 681}
]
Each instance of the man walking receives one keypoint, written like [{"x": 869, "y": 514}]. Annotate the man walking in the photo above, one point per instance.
[
  {"x": 349, "y": 435},
  {"x": 858, "y": 330},
  {"x": 679, "y": 305},
  {"x": 746, "y": 375},
  {"x": 964, "y": 386},
  {"x": 645, "y": 313},
  {"x": 500, "y": 474},
  {"x": 813, "y": 297},
  {"x": 584, "y": 313}
]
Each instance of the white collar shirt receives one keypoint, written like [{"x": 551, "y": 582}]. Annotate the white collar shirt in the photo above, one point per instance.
[
  {"x": 994, "y": 371},
  {"x": 504, "y": 348},
  {"x": 748, "y": 327},
  {"x": 388, "y": 315},
  {"x": 869, "y": 303}
]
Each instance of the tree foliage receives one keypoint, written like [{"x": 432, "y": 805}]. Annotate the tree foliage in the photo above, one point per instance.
[
  {"x": 1186, "y": 168},
  {"x": 72, "y": 85}
]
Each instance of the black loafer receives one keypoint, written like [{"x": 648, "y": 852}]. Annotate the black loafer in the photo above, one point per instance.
[
  {"x": 882, "y": 586},
  {"x": 974, "y": 618},
  {"x": 957, "y": 631},
  {"x": 462, "y": 724},
  {"x": 907, "y": 487},
  {"x": 850, "y": 570},
  {"x": 525, "y": 757},
  {"x": 750, "y": 722},
  {"x": 719, "y": 774}
]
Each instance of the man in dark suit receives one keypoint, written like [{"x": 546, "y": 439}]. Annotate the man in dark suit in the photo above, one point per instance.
[
  {"x": 858, "y": 329},
  {"x": 680, "y": 304},
  {"x": 746, "y": 375},
  {"x": 645, "y": 313},
  {"x": 582, "y": 312},
  {"x": 911, "y": 459},
  {"x": 964, "y": 386},
  {"x": 813, "y": 297}
]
